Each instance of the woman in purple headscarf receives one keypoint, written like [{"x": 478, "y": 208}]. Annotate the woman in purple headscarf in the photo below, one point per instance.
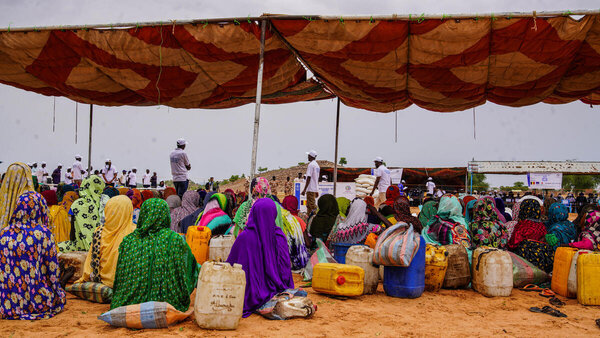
[{"x": 263, "y": 252}]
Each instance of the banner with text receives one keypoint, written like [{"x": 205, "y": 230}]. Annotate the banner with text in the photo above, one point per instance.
[{"x": 544, "y": 181}]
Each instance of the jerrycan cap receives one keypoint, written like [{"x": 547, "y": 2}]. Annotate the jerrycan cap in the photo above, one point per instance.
[{"x": 341, "y": 280}]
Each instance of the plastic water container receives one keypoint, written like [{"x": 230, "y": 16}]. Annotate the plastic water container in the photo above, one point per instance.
[
  {"x": 572, "y": 282},
  {"x": 338, "y": 279},
  {"x": 492, "y": 272},
  {"x": 362, "y": 256},
  {"x": 563, "y": 257},
  {"x": 220, "y": 247},
  {"x": 406, "y": 282},
  {"x": 339, "y": 252},
  {"x": 588, "y": 278},
  {"x": 220, "y": 296},
  {"x": 458, "y": 274},
  {"x": 197, "y": 238},
  {"x": 436, "y": 264}
]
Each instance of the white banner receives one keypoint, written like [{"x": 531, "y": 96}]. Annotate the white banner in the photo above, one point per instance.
[
  {"x": 344, "y": 189},
  {"x": 544, "y": 181},
  {"x": 396, "y": 175}
]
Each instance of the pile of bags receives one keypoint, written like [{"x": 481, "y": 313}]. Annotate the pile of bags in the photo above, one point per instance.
[{"x": 364, "y": 185}]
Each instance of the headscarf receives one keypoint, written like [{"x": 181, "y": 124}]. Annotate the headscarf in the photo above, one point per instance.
[
  {"x": 68, "y": 199},
  {"x": 469, "y": 210},
  {"x": 260, "y": 189},
  {"x": 392, "y": 194},
  {"x": 486, "y": 229},
  {"x": 402, "y": 213},
  {"x": 290, "y": 203},
  {"x": 591, "y": 230},
  {"x": 101, "y": 263},
  {"x": 448, "y": 226},
  {"x": 495, "y": 209},
  {"x": 214, "y": 216},
  {"x": 168, "y": 192},
  {"x": 262, "y": 250},
  {"x": 17, "y": 180},
  {"x": 230, "y": 204},
  {"x": 559, "y": 225},
  {"x": 428, "y": 211},
  {"x": 29, "y": 287},
  {"x": 50, "y": 197},
  {"x": 354, "y": 229},
  {"x": 136, "y": 198},
  {"x": 146, "y": 195},
  {"x": 155, "y": 263},
  {"x": 502, "y": 208},
  {"x": 123, "y": 191},
  {"x": 343, "y": 205},
  {"x": 581, "y": 216},
  {"x": 87, "y": 211},
  {"x": 369, "y": 200},
  {"x": 321, "y": 224},
  {"x": 529, "y": 225},
  {"x": 111, "y": 191},
  {"x": 62, "y": 190},
  {"x": 465, "y": 202},
  {"x": 173, "y": 202},
  {"x": 189, "y": 204}
]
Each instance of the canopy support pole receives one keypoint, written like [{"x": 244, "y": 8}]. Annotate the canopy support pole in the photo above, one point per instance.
[
  {"x": 337, "y": 134},
  {"x": 259, "y": 81},
  {"x": 90, "y": 139}
]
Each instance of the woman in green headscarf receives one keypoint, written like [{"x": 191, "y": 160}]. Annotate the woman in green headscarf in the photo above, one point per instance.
[
  {"x": 428, "y": 211},
  {"x": 448, "y": 226},
  {"x": 88, "y": 213},
  {"x": 155, "y": 263},
  {"x": 343, "y": 205}
]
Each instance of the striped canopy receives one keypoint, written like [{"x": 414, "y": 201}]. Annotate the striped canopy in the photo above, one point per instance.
[{"x": 378, "y": 65}]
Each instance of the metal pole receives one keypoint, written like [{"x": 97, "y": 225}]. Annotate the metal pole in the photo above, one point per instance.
[
  {"x": 90, "y": 139},
  {"x": 259, "y": 80},
  {"x": 337, "y": 134}
]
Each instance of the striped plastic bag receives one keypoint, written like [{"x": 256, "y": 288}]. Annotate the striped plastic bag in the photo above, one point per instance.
[
  {"x": 149, "y": 315},
  {"x": 396, "y": 246},
  {"x": 321, "y": 255}
]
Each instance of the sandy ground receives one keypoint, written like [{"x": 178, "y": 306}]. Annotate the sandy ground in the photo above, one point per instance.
[{"x": 444, "y": 313}]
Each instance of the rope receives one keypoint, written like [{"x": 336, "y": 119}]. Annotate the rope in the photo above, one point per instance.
[
  {"x": 534, "y": 22},
  {"x": 159, "y": 64},
  {"x": 54, "y": 115}
]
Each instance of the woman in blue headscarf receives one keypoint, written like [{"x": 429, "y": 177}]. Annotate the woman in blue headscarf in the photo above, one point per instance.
[{"x": 560, "y": 230}]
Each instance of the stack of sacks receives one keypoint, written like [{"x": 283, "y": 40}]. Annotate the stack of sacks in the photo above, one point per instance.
[{"x": 364, "y": 185}]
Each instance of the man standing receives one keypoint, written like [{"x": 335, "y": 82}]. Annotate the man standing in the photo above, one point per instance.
[
  {"x": 109, "y": 173},
  {"x": 299, "y": 179},
  {"x": 311, "y": 188},
  {"x": 211, "y": 185},
  {"x": 77, "y": 170},
  {"x": 42, "y": 174},
  {"x": 180, "y": 165},
  {"x": 123, "y": 178},
  {"x": 288, "y": 189},
  {"x": 133, "y": 178},
  {"x": 430, "y": 186},
  {"x": 146, "y": 179},
  {"x": 68, "y": 176},
  {"x": 56, "y": 174},
  {"x": 382, "y": 182},
  {"x": 154, "y": 180},
  {"x": 274, "y": 186},
  {"x": 34, "y": 169}
]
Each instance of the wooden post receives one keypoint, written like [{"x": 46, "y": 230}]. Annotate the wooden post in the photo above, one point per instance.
[
  {"x": 90, "y": 139},
  {"x": 259, "y": 80},
  {"x": 337, "y": 134}
]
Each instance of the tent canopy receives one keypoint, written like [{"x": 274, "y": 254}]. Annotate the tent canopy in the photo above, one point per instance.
[{"x": 446, "y": 64}]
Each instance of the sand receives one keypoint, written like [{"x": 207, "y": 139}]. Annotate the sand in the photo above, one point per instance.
[{"x": 443, "y": 313}]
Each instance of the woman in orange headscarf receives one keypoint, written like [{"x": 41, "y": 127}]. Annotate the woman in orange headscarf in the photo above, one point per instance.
[
  {"x": 146, "y": 195},
  {"x": 136, "y": 201},
  {"x": 168, "y": 192}
]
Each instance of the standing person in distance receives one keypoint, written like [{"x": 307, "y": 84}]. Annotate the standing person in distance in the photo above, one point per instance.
[
  {"x": 42, "y": 174},
  {"x": 77, "y": 170},
  {"x": 109, "y": 173},
  {"x": 123, "y": 178},
  {"x": 299, "y": 179},
  {"x": 154, "y": 180},
  {"x": 180, "y": 165},
  {"x": 274, "y": 186},
  {"x": 430, "y": 186},
  {"x": 146, "y": 179},
  {"x": 56, "y": 174},
  {"x": 133, "y": 178},
  {"x": 382, "y": 182},
  {"x": 311, "y": 188},
  {"x": 288, "y": 188},
  {"x": 68, "y": 176}
]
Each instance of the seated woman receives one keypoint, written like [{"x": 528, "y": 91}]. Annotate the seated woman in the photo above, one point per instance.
[
  {"x": 290, "y": 203},
  {"x": 485, "y": 228},
  {"x": 589, "y": 238},
  {"x": 189, "y": 203},
  {"x": 448, "y": 226},
  {"x": 17, "y": 180},
  {"x": 428, "y": 211},
  {"x": 529, "y": 226},
  {"x": 502, "y": 208},
  {"x": 136, "y": 200},
  {"x": 510, "y": 225},
  {"x": 155, "y": 263},
  {"x": 214, "y": 216},
  {"x": 260, "y": 189},
  {"x": 87, "y": 215},
  {"x": 354, "y": 229},
  {"x": 328, "y": 215},
  {"x": 29, "y": 281},
  {"x": 101, "y": 262},
  {"x": 262, "y": 250},
  {"x": 343, "y": 205},
  {"x": 402, "y": 213},
  {"x": 560, "y": 230},
  {"x": 59, "y": 217}
]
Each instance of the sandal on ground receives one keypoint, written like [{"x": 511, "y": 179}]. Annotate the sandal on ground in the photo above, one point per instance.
[
  {"x": 598, "y": 322},
  {"x": 548, "y": 310},
  {"x": 531, "y": 287},
  {"x": 556, "y": 302},
  {"x": 547, "y": 293}
]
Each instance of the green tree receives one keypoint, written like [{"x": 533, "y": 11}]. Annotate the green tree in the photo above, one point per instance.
[
  {"x": 343, "y": 161},
  {"x": 301, "y": 163},
  {"x": 234, "y": 178},
  {"x": 479, "y": 182},
  {"x": 262, "y": 170},
  {"x": 580, "y": 182},
  {"x": 520, "y": 185}
]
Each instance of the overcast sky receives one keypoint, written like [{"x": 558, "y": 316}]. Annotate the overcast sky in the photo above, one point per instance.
[{"x": 220, "y": 140}]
